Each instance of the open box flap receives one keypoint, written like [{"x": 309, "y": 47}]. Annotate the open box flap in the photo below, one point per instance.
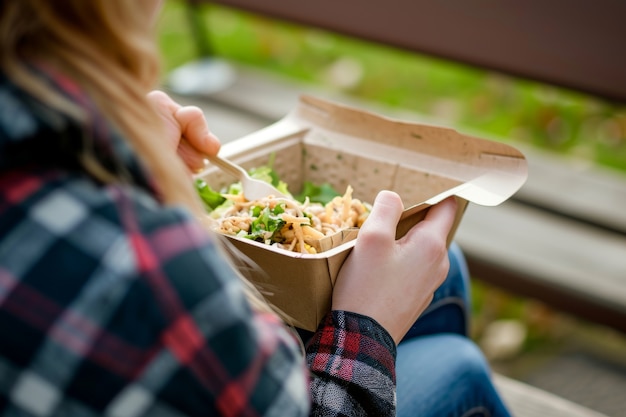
[{"x": 488, "y": 172}]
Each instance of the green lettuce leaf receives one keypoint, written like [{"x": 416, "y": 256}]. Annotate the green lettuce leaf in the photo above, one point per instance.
[
  {"x": 323, "y": 193},
  {"x": 211, "y": 198},
  {"x": 267, "y": 222}
]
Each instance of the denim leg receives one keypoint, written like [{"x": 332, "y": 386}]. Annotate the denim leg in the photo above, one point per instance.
[
  {"x": 445, "y": 375},
  {"x": 440, "y": 371},
  {"x": 449, "y": 310}
]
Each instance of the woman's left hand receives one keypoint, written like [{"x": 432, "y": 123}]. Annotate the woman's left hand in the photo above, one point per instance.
[{"x": 187, "y": 130}]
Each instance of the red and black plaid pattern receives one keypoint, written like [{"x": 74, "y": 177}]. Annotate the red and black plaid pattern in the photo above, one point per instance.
[
  {"x": 352, "y": 359},
  {"x": 112, "y": 304}
]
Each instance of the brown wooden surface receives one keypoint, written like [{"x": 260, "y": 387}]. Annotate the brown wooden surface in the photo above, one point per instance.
[
  {"x": 569, "y": 265},
  {"x": 578, "y": 267},
  {"x": 578, "y": 44},
  {"x": 527, "y": 401}
]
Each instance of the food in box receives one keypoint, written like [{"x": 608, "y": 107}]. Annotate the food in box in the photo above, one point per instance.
[{"x": 325, "y": 142}]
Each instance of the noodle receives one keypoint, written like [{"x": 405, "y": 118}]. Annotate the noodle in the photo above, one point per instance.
[{"x": 289, "y": 224}]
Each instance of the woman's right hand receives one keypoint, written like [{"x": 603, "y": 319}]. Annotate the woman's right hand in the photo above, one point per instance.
[
  {"x": 393, "y": 281},
  {"x": 186, "y": 130}
]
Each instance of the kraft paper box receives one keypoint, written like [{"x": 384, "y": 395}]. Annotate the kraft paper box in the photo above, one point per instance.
[{"x": 321, "y": 141}]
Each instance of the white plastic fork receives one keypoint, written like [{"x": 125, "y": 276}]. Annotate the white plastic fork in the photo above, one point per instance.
[{"x": 252, "y": 188}]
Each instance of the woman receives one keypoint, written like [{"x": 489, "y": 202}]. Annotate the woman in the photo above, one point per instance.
[{"x": 114, "y": 298}]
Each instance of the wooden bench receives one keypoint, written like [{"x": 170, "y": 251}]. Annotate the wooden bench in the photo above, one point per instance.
[
  {"x": 562, "y": 238},
  {"x": 568, "y": 245}
]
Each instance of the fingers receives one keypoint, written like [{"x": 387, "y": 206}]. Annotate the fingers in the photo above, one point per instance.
[
  {"x": 186, "y": 130},
  {"x": 442, "y": 215},
  {"x": 387, "y": 208},
  {"x": 390, "y": 280},
  {"x": 162, "y": 102},
  {"x": 195, "y": 131},
  {"x": 165, "y": 107},
  {"x": 194, "y": 160},
  {"x": 437, "y": 223},
  {"x": 384, "y": 217}
]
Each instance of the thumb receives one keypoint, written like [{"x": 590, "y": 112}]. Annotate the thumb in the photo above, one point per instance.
[{"x": 385, "y": 214}]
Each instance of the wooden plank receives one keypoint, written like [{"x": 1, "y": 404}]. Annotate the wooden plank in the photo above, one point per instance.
[
  {"x": 226, "y": 122},
  {"x": 547, "y": 245},
  {"x": 261, "y": 93},
  {"x": 577, "y": 189},
  {"x": 576, "y": 44},
  {"x": 576, "y": 267},
  {"x": 528, "y": 401}
]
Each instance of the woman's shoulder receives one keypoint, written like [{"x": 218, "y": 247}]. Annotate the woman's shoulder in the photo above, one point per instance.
[{"x": 118, "y": 226}]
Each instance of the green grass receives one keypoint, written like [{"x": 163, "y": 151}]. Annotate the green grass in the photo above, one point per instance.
[{"x": 554, "y": 119}]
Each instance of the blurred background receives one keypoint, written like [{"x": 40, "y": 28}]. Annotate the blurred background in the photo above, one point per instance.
[
  {"x": 517, "y": 334},
  {"x": 550, "y": 118}
]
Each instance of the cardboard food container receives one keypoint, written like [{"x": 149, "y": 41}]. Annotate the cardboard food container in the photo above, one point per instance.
[{"x": 322, "y": 141}]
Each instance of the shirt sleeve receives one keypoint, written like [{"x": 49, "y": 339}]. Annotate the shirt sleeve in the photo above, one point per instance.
[
  {"x": 352, "y": 363},
  {"x": 214, "y": 354},
  {"x": 237, "y": 361}
]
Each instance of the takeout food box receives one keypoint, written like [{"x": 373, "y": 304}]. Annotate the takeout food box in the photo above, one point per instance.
[{"x": 322, "y": 141}]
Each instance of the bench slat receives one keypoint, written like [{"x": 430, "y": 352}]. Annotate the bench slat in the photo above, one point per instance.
[
  {"x": 569, "y": 265},
  {"x": 577, "y": 189},
  {"x": 528, "y": 401},
  {"x": 577, "y": 44}
]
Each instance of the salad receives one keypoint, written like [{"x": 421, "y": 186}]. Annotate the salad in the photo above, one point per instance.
[{"x": 293, "y": 224}]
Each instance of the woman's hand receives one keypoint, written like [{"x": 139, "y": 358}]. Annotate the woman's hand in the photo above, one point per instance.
[
  {"x": 187, "y": 130},
  {"x": 393, "y": 281}
]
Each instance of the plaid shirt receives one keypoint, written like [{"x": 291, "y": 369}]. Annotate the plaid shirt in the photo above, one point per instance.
[{"x": 112, "y": 304}]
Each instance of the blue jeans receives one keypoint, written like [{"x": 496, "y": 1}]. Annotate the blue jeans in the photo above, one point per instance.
[{"x": 440, "y": 371}]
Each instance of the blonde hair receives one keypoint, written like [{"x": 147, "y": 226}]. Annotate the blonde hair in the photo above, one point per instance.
[{"x": 109, "y": 48}]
